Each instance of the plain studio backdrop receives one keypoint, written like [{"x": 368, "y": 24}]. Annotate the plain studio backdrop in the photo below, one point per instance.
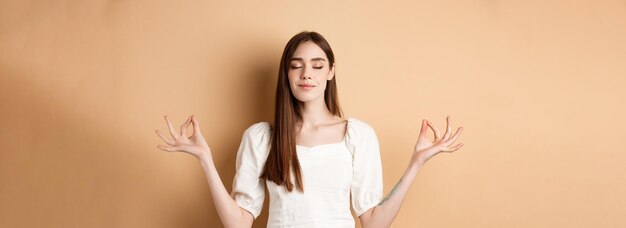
[{"x": 539, "y": 87}]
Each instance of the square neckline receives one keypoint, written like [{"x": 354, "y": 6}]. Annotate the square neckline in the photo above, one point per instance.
[{"x": 343, "y": 140}]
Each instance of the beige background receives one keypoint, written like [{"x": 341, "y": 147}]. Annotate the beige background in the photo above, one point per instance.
[{"x": 538, "y": 86}]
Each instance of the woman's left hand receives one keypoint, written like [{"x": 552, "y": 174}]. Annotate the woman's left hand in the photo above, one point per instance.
[{"x": 425, "y": 149}]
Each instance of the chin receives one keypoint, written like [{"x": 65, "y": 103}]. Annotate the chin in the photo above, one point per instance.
[{"x": 305, "y": 98}]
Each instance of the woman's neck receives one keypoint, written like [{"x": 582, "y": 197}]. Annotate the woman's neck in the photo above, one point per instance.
[{"x": 315, "y": 114}]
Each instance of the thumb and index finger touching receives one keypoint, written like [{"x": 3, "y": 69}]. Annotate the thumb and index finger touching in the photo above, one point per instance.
[
  {"x": 196, "y": 126},
  {"x": 183, "y": 129},
  {"x": 424, "y": 130},
  {"x": 184, "y": 126}
]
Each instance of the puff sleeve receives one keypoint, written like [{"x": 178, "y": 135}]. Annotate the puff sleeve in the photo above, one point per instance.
[
  {"x": 248, "y": 189},
  {"x": 367, "y": 181}
]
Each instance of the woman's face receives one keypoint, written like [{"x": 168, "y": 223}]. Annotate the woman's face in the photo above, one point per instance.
[{"x": 309, "y": 71}]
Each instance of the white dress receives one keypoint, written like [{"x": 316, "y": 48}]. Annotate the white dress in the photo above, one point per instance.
[{"x": 331, "y": 173}]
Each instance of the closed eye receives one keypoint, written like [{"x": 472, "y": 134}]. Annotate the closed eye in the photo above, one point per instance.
[{"x": 298, "y": 67}]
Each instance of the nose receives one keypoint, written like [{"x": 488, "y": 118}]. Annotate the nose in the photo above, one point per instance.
[{"x": 306, "y": 74}]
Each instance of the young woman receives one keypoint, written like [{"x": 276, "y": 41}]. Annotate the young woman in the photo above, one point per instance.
[{"x": 314, "y": 163}]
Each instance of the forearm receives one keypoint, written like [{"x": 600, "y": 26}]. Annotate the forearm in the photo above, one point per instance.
[
  {"x": 385, "y": 212},
  {"x": 228, "y": 210}
]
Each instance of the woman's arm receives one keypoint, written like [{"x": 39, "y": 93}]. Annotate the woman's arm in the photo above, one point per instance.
[
  {"x": 228, "y": 210},
  {"x": 383, "y": 214}
]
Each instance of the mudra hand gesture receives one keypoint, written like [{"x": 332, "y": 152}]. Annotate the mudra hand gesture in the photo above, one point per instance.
[
  {"x": 194, "y": 144},
  {"x": 425, "y": 149}
]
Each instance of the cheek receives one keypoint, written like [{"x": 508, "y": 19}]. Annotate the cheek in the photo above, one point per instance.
[
  {"x": 292, "y": 82},
  {"x": 323, "y": 83},
  {"x": 292, "y": 75},
  {"x": 321, "y": 76}
]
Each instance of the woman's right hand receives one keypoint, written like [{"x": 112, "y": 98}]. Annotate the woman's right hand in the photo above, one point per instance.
[{"x": 194, "y": 144}]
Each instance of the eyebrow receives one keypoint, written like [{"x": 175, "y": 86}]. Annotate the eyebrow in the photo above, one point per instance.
[{"x": 313, "y": 59}]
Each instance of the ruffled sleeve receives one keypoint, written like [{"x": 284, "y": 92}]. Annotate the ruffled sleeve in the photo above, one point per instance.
[
  {"x": 248, "y": 189},
  {"x": 367, "y": 181}
]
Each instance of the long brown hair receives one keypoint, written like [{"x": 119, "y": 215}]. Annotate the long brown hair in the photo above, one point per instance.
[{"x": 282, "y": 158}]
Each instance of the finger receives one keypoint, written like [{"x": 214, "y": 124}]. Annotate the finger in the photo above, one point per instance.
[
  {"x": 435, "y": 130},
  {"x": 193, "y": 129},
  {"x": 167, "y": 148},
  {"x": 196, "y": 126},
  {"x": 456, "y": 147},
  {"x": 423, "y": 129},
  {"x": 451, "y": 140},
  {"x": 169, "y": 142},
  {"x": 183, "y": 127},
  {"x": 170, "y": 127},
  {"x": 448, "y": 129}
]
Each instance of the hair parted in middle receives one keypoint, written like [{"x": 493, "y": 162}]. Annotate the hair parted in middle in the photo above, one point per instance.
[{"x": 282, "y": 160}]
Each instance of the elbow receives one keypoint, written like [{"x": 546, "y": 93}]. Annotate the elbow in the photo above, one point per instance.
[
  {"x": 373, "y": 219},
  {"x": 239, "y": 220},
  {"x": 366, "y": 219}
]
